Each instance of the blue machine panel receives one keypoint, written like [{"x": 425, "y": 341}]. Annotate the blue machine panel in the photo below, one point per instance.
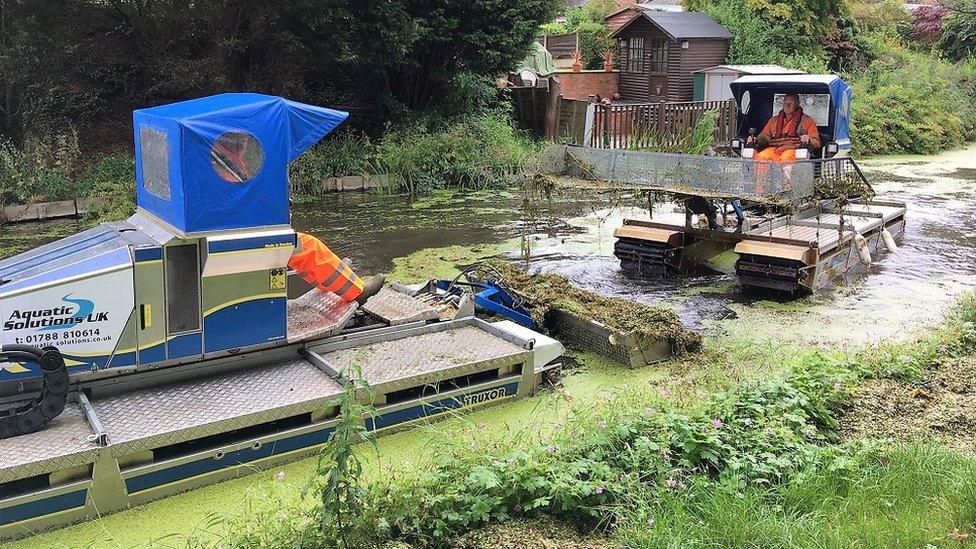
[
  {"x": 249, "y": 323},
  {"x": 185, "y": 345},
  {"x": 440, "y": 406},
  {"x": 231, "y": 459},
  {"x": 43, "y": 507}
]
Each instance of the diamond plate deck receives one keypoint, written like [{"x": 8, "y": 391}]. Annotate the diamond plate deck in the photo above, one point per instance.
[
  {"x": 427, "y": 358},
  {"x": 317, "y": 314},
  {"x": 160, "y": 416},
  {"x": 61, "y": 444},
  {"x": 397, "y": 308}
]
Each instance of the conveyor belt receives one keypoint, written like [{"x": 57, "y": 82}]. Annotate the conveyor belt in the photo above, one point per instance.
[
  {"x": 427, "y": 358},
  {"x": 396, "y": 308},
  {"x": 268, "y": 409},
  {"x": 317, "y": 314}
]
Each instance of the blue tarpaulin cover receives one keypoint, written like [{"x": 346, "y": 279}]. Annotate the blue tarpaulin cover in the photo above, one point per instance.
[{"x": 221, "y": 162}]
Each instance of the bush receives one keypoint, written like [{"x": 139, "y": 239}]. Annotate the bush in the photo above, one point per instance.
[
  {"x": 594, "y": 34},
  {"x": 761, "y": 40},
  {"x": 927, "y": 23},
  {"x": 907, "y": 102},
  {"x": 113, "y": 187},
  {"x": 759, "y": 432},
  {"x": 340, "y": 155},
  {"x": 888, "y": 17},
  {"x": 470, "y": 153},
  {"x": 45, "y": 169}
]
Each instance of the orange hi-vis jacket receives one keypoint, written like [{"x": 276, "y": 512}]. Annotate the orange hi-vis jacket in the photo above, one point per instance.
[
  {"x": 318, "y": 265},
  {"x": 783, "y": 133}
]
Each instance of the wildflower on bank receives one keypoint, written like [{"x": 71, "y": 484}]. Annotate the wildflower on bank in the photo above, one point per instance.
[
  {"x": 671, "y": 482},
  {"x": 665, "y": 392},
  {"x": 717, "y": 423},
  {"x": 280, "y": 476},
  {"x": 599, "y": 489}
]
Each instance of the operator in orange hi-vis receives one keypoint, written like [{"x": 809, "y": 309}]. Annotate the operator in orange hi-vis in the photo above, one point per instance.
[
  {"x": 319, "y": 266},
  {"x": 786, "y": 132}
]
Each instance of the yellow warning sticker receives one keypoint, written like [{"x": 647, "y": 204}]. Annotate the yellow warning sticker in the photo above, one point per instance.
[{"x": 279, "y": 279}]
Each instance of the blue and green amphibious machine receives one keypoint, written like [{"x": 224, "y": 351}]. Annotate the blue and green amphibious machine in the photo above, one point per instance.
[{"x": 154, "y": 355}]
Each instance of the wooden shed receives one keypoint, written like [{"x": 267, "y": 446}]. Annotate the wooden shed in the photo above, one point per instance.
[{"x": 659, "y": 52}]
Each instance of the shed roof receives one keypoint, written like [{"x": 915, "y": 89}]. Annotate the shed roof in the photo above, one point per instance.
[
  {"x": 827, "y": 79},
  {"x": 683, "y": 25}
]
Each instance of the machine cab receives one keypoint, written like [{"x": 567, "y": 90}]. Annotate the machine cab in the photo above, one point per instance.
[{"x": 826, "y": 98}]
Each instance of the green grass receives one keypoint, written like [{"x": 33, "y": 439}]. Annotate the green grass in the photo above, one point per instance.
[{"x": 901, "y": 496}]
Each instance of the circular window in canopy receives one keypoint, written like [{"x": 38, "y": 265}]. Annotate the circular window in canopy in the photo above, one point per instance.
[{"x": 236, "y": 156}]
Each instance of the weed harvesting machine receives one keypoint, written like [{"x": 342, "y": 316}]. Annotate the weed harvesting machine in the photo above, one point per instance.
[{"x": 149, "y": 356}]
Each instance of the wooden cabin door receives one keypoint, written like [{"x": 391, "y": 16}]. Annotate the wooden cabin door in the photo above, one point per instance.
[{"x": 656, "y": 66}]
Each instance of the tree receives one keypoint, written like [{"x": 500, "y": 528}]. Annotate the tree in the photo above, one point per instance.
[
  {"x": 958, "y": 39},
  {"x": 89, "y": 62},
  {"x": 594, "y": 35}
]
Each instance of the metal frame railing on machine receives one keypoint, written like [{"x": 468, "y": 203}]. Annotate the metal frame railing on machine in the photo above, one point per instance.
[{"x": 710, "y": 176}]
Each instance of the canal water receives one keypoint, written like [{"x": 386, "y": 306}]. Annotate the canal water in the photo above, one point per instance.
[{"x": 569, "y": 232}]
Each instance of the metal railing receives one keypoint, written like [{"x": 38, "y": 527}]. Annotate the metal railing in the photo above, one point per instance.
[{"x": 711, "y": 176}]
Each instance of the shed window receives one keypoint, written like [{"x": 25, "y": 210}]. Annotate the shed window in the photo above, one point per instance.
[
  {"x": 154, "y": 154},
  {"x": 657, "y": 57},
  {"x": 635, "y": 55}
]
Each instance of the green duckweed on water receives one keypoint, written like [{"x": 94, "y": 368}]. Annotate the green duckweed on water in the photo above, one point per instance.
[{"x": 445, "y": 262}]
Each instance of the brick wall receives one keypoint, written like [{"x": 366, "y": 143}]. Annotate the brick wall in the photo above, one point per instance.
[{"x": 581, "y": 85}]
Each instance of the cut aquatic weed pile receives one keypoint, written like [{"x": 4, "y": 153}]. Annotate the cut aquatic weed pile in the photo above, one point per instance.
[{"x": 548, "y": 292}]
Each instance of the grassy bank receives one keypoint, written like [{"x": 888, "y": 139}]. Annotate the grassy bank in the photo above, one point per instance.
[{"x": 736, "y": 447}]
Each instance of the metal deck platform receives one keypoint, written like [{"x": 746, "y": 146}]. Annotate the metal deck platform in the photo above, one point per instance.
[
  {"x": 786, "y": 253},
  {"x": 128, "y": 447},
  {"x": 813, "y": 247}
]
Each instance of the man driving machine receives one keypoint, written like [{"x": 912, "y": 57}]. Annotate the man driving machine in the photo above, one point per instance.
[{"x": 791, "y": 129}]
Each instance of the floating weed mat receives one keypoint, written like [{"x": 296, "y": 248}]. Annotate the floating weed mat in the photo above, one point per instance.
[
  {"x": 941, "y": 406},
  {"x": 549, "y": 293}
]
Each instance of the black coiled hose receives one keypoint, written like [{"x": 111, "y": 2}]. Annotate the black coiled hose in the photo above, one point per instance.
[{"x": 31, "y": 415}]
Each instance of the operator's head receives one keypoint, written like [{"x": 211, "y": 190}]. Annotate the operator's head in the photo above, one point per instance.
[{"x": 790, "y": 102}]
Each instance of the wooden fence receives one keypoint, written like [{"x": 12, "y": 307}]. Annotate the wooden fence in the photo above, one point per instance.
[{"x": 656, "y": 125}]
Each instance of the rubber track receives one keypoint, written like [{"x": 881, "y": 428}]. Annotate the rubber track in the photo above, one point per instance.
[{"x": 33, "y": 414}]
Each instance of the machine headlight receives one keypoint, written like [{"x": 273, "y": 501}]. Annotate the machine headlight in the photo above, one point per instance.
[
  {"x": 736, "y": 144},
  {"x": 830, "y": 149}
]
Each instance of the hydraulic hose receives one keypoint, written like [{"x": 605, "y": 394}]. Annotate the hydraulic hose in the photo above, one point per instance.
[{"x": 30, "y": 415}]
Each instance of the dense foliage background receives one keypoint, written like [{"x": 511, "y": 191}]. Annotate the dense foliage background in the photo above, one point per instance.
[
  {"x": 88, "y": 63},
  {"x": 418, "y": 76}
]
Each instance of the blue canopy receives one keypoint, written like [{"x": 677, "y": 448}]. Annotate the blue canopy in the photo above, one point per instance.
[
  {"x": 221, "y": 162},
  {"x": 763, "y": 88}
]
